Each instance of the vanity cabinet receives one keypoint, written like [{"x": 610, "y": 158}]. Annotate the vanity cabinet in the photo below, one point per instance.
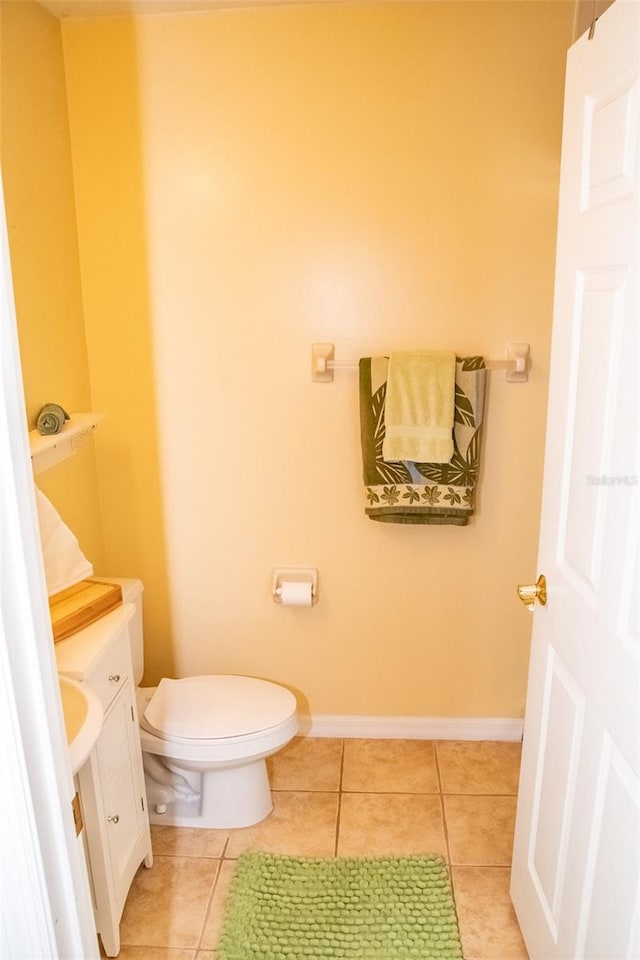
[{"x": 111, "y": 781}]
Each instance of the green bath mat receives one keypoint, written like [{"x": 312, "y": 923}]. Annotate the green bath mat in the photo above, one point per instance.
[{"x": 286, "y": 908}]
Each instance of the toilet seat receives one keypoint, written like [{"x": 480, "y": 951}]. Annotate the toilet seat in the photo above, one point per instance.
[{"x": 216, "y": 708}]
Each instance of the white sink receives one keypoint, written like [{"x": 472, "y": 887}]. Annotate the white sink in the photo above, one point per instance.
[{"x": 83, "y": 719}]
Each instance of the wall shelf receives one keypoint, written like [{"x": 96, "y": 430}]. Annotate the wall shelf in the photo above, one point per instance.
[{"x": 48, "y": 451}]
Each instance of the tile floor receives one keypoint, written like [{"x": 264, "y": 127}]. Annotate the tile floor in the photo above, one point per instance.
[{"x": 347, "y": 798}]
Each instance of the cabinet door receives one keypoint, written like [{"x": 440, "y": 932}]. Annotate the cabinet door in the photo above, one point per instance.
[{"x": 119, "y": 765}]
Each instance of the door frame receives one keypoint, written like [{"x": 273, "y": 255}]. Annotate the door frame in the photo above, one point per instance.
[{"x": 46, "y": 899}]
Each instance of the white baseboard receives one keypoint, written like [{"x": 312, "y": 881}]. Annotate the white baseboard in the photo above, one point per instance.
[{"x": 411, "y": 728}]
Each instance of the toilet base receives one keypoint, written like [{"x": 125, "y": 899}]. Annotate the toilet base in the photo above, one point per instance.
[{"x": 224, "y": 798}]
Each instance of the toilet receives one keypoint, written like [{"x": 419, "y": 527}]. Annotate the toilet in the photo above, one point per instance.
[{"x": 205, "y": 740}]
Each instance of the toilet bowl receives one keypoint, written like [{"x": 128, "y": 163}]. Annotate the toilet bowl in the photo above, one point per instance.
[
  {"x": 211, "y": 735},
  {"x": 205, "y": 739}
]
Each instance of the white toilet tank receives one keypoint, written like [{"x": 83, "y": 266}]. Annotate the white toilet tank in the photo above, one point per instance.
[{"x": 132, "y": 593}]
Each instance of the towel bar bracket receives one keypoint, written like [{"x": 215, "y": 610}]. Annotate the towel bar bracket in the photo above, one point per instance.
[
  {"x": 516, "y": 364},
  {"x": 518, "y": 353},
  {"x": 321, "y": 362}
]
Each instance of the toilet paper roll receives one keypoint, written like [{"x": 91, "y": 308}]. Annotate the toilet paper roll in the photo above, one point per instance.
[{"x": 296, "y": 593}]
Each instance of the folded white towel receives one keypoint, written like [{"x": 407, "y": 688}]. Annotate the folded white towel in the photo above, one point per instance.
[
  {"x": 420, "y": 407},
  {"x": 64, "y": 561}
]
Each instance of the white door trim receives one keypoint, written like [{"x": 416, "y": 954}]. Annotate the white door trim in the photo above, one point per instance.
[{"x": 46, "y": 902}]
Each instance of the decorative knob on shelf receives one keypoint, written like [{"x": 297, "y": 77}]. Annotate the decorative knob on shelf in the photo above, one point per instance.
[
  {"x": 115, "y": 678},
  {"x": 114, "y": 819}
]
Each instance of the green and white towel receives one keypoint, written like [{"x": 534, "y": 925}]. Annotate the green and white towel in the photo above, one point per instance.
[{"x": 407, "y": 492}]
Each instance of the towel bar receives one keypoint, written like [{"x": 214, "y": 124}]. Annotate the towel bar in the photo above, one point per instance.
[{"x": 516, "y": 364}]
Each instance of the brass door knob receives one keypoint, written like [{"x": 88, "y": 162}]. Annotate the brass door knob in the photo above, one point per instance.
[{"x": 530, "y": 592}]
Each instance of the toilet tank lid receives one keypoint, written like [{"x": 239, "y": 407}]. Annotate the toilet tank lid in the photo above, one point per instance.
[
  {"x": 131, "y": 588},
  {"x": 216, "y": 707}
]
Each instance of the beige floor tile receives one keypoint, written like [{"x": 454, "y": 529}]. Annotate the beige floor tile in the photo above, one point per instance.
[
  {"x": 374, "y": 824},
  {"x": 390, "y": 766},
  {"x": 301, "y": 825},
  {"x": 479, "y": 766},
  {"x": 218, "y": 906},
  {"x": 488, "y": 924},
  {"x": 480, "y": 829},
  {"x": 155, "y": 953},
  {"x": 167, "y": 904},
  {"x": 307, "y": 763},
  {"x": 188, "y": 842},
  {"x": 391, "y": 807}
]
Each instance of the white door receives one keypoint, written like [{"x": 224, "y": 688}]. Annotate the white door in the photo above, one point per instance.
[{"x": 576, "y": 861}]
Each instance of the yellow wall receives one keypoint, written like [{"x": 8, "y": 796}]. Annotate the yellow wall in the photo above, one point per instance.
[
  {"x": 39, "y": 198},
  {"x": 383, "y": 176},
  {"x": 110, "y": 183}
]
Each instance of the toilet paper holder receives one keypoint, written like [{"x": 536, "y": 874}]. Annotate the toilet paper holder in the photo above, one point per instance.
[{"x": 294, "y": 575}]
